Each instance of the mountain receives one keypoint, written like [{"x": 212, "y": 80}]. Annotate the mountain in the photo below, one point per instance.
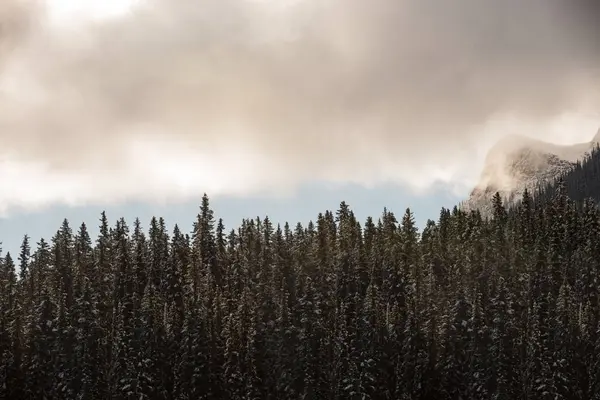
[
  {"x": 517, "y": 163},
  {"x": 579, "y": 183}
]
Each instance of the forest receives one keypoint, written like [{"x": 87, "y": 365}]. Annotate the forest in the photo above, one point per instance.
[{"x": 505, "y": 307}]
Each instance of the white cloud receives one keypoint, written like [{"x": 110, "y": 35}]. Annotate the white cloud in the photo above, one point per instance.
[
  {"x": 67, "y": 12},
  {"x": 178, "y": 97}
]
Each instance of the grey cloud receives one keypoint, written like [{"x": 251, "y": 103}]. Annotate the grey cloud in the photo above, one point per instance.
[
  {"x": 17, "y": 17},
  {"x": 330, "y": 89}
]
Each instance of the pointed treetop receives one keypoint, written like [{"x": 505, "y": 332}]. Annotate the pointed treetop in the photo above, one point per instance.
[
  {"x": 103, "y": 224},
  {"x": 24, "y": 257},
  {"x": 8, "y": 260}
]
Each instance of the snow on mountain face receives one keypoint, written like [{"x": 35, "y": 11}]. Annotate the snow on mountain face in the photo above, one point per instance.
[{"x": 519, "y": 162}]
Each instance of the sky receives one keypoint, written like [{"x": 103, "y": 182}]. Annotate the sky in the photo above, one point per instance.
[{"x": 142, "y": 106}]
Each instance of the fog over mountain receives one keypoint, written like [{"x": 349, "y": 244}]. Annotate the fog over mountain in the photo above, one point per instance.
[
  {"x": 517, "y": 163},
  {"x": 237, "y": 97}
]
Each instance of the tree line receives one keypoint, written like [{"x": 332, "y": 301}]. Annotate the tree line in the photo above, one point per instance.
[{"x": 468, "y": 308}]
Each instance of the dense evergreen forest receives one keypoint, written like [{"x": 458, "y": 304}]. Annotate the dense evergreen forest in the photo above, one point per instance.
[
  {"x": 582, "y": 182},
  {"x": 469, "y": 308}
]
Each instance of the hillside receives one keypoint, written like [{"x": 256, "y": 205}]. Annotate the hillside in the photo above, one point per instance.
[
  {"x": 517, "y": 163},
  {"x": 580, "y": 182}
]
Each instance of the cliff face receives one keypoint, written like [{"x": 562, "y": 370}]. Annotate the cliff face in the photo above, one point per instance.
[{"x": 517, "y": 162}]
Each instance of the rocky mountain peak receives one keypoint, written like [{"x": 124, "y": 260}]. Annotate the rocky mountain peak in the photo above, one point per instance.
[{"x": 518, "y": 162}]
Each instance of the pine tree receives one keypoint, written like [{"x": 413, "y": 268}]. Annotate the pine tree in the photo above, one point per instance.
[{"x": 470, "y": 308}]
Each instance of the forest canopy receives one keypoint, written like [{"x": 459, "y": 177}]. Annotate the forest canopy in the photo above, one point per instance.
[{"x": 470, "y": 307}]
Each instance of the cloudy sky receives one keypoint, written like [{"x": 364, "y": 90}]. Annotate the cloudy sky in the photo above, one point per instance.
[{"x": 135, "y": 104}]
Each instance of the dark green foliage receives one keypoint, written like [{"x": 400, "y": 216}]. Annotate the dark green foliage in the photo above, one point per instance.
[{"x": 506, "y": 308}]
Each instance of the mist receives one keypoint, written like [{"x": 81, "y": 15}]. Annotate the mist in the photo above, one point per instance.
[{"x": 241, "y": 97}]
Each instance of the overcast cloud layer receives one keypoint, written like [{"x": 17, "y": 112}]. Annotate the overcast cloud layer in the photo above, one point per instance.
[{"x": 242, "y": 97}]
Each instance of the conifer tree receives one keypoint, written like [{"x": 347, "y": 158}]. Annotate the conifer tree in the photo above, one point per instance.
[{"x": 467, "y": 308}]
